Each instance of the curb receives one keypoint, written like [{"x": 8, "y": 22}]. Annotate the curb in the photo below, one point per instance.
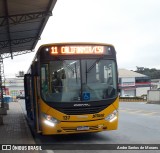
[{"x": 132, "y": 100}]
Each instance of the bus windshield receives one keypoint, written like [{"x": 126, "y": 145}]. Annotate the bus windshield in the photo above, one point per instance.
[{"x": 78, "y": 80}]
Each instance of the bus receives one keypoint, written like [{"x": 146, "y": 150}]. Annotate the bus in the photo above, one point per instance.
[{"x": 72, "y": 88}]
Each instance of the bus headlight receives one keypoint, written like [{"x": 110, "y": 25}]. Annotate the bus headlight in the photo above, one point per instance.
[
  {"x": 49, "y": 120},
  {"x": 113, "y": 116}
]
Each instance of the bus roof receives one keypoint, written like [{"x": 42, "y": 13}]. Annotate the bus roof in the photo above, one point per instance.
[
  {"x": 75, "y": 43},
  {"x": 68, "y": 43}
]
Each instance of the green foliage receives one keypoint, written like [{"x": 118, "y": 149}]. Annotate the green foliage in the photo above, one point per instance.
[{"x": 152, "y": 73}]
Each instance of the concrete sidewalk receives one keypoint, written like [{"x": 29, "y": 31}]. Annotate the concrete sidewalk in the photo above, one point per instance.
[{"x": 15, "y": 129}]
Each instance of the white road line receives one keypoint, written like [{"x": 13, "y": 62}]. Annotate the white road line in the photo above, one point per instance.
[
  {"x": 142, "y": 112},
  {"x": 49, "y": 151}
]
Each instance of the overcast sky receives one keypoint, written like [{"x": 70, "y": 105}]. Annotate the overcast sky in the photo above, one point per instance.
[{"x": 132, "y": 26}]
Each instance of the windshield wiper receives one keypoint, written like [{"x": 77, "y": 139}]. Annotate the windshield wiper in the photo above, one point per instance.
[
  {"x": 67, "y": 65},
  {"x": 92, "y": 66}
]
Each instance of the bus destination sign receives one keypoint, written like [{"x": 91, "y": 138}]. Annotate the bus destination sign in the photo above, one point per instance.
[{"x": 73, "y": 50}]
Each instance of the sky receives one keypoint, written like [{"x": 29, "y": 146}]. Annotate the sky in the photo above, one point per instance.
[{"x": 132, "y": 26}]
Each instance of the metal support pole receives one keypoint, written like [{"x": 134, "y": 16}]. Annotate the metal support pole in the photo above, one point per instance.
[
  {"x": 1, "y": 95},
  {"x": 8, "y": 26},
  {"x": 2, "y": 79}
]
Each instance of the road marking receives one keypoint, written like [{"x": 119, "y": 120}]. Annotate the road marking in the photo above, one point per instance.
[
  {"x": 141, "y": 112},
  {"x": 137, "y": 111},
  {"x": 49, "y": 151},
  {"x": 152, "y": 114}
]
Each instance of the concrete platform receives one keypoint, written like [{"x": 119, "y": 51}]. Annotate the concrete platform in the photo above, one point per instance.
[
  {"x": 3, "y": 111},
  {"x": 1, "y": 120},
  {"x": 15, "y": 129}
]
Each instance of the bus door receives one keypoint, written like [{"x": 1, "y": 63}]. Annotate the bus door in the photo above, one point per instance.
[
  {"x": 27, "y": 86},
  {"x": 35, "y": 97}
]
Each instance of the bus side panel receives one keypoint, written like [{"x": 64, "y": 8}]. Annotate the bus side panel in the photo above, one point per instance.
[
  {"x": 30, "y": 99},
  {"x": 35, "y": 96},
  {"x": 27, "y": 88},
  {"x": 37, "y": 106}
]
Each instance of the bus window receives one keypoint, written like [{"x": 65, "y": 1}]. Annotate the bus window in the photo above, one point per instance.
[
  {"x": 64, "y": 81},
  {"x": 71, "y": 80},
  {"x": 44, "y": 79},
  {"x": 97, "y": 78}
]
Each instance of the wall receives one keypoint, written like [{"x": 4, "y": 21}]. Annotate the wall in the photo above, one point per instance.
[
  {"x": 142, "y": 91},
  {"x": 153, "y": 96},
  {"x": 128, "y": 82},
  {"x": 127, "y": 87}
]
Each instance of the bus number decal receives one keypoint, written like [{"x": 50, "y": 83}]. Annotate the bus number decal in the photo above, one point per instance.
[
  {"x": 54, "y": 50},
  {"x": 97, "y": 115},
  {"x": 67, "y": 117}
]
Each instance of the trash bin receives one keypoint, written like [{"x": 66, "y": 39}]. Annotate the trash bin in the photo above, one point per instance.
[{"x": 7, "y": 98}]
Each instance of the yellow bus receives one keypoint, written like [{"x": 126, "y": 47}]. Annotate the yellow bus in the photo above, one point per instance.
[{"x": 72, "y": 88}]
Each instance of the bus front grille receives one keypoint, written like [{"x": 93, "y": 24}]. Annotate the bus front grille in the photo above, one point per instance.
[{"x": 82, "y": 110}]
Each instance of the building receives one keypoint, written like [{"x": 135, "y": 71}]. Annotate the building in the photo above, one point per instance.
[
  {"x": 132, "y": 84},
  {"x": 14, "y": 86},
  {"x": 155, "y": 83}
]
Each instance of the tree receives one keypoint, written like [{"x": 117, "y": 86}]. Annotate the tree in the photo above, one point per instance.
[{"x": 152, "y": 73}]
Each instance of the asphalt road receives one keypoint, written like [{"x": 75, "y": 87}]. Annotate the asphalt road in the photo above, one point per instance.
[{"x": 139, "y": 123}]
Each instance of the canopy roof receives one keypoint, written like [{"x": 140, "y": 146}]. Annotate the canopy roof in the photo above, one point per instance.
[{"x": 21, "y": 24}]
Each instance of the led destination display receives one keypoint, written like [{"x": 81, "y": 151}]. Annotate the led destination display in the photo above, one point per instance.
[{"x": 73, "y": 50}]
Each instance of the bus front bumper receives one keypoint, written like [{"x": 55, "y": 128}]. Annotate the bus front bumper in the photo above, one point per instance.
[{"x": 71, "y": 127}]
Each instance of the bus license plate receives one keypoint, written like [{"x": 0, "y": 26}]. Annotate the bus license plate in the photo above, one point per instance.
[{"x": 82, "y": 128}]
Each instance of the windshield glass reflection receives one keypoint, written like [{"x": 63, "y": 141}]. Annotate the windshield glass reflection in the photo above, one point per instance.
[{"x": 78, "y": 80}]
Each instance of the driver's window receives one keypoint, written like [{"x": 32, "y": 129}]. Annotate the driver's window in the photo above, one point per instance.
[
  {"x": 108, "y": 74},
  {"x": 44, "y": 78}
]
